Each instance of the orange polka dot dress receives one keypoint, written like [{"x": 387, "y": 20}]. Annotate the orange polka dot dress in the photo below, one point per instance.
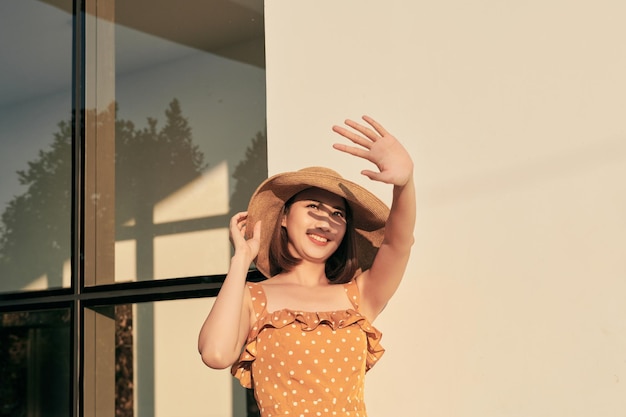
[{"x": 308, "y": 363}]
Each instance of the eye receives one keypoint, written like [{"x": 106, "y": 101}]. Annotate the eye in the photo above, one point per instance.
[
  {"x": 312, "y": 205},
  {"x": 339, "y": 214}
]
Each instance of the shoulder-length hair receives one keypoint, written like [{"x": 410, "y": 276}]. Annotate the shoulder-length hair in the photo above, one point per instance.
[{"x": 340, "y": 267}]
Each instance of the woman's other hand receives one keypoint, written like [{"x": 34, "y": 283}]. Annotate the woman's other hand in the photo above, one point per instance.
[{"x": 248, "y": 248}]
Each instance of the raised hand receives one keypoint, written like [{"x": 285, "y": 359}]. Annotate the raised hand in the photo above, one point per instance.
[
  {"x": 378, "y": 146},
  {"x": 250, "y": 247}
]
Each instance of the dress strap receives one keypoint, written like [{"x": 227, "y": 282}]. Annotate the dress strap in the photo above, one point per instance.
[
  {"x": 352, "y": 291},
  {"x": 259, "y": 301}
]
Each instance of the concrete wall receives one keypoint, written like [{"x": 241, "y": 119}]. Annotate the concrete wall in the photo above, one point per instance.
[{"x": 513, "y": 302}]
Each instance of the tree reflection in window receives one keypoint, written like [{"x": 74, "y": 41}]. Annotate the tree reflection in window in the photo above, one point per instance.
[{"x": 150, "y": 163}]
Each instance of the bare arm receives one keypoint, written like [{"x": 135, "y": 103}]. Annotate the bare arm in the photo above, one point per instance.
[
  {"x": 225, "y": 329},
  {"x": 378, "y": 284}
]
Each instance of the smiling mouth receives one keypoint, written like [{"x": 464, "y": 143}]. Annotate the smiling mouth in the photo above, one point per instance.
[{"x": 318, "y": 238}]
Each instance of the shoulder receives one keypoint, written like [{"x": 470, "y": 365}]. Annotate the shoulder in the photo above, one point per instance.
[
  {"x": 255, "y": 290},
  {"x": 254, "y": 300}
]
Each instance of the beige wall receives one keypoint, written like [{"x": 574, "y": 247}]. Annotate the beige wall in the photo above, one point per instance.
[{"x": 513, "y": 302}]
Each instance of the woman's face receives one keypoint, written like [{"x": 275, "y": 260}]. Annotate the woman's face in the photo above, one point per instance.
[{"x": 316, "y": 224}]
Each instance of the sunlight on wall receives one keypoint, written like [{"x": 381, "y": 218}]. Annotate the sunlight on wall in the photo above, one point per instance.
[
  {"x": 184, "y": 386},
  {"x": 512, "y": 304}
]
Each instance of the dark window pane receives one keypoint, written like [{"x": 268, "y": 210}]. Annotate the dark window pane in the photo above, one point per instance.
[
  {"x": 124, "y": 358},
  {"x": 35, "y": 363}
]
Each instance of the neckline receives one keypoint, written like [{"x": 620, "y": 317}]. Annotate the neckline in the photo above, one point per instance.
[
  {"x": 304, "y": 312},
  {"x": 347, "y": 286}
]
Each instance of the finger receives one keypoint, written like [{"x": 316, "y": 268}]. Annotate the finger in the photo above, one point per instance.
[
  {"x": 234, "y": 221},
  {"x": 369, "y": 133},
  {"x": 256, "y": 234},
  {"x": 359, "y": 140},
  {"x": 238, "y": 222},
  {"x": 237, "y": 235},
  {"x": 255, "y": 240},
  {"x": 377, "y": 126},
  {"x": 238, "y": 216},
  {"x": 375, "y": 176},
  {"x": 238, "y": 227},
  {"x": 358, "y": 152},
  {"x": 369, "y": 174}
]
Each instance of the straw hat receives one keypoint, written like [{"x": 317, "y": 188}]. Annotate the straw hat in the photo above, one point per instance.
[{"x": 369, "y": 213}]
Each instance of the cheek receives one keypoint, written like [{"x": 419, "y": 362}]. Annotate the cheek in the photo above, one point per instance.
[{"x": 342, "y": 233}]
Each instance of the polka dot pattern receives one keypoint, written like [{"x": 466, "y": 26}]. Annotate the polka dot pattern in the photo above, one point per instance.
[{"x": 308, "y": 363}]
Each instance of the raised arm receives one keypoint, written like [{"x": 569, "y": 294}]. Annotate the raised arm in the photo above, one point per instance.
[
  {"x": 395, "y": 166},
  {"x": 225, "y": 329}
]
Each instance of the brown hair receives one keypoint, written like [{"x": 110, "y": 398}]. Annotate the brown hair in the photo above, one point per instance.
[{"x": 340, "y": 267}]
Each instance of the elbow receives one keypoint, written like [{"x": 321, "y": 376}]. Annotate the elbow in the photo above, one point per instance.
[
  {"x": 216, "y": 360},
  {"x": 407, "y": 244}
]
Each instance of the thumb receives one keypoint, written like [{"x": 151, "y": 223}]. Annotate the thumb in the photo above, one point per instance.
[
  {"x": 256, "y": 234},
  {"x": 372, "y": 175}
]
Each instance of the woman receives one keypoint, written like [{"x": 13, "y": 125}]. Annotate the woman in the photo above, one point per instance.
[{"x": 334, "y": 255}]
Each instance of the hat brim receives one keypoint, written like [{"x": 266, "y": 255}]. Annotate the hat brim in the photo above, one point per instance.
[{"x": 369, "y": 213}]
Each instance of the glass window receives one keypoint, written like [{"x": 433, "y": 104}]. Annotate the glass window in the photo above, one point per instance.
[
  {"x": 148, "y": 117},
  {"x": 35, "y": 144},
  {"x": 35, "y": 363},
  {"x": 175, "y": 131},
  {"x": 144, "y": 362}
]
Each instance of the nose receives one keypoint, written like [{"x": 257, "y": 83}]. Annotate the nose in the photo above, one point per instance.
[{"x": 324, "y": 220}]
